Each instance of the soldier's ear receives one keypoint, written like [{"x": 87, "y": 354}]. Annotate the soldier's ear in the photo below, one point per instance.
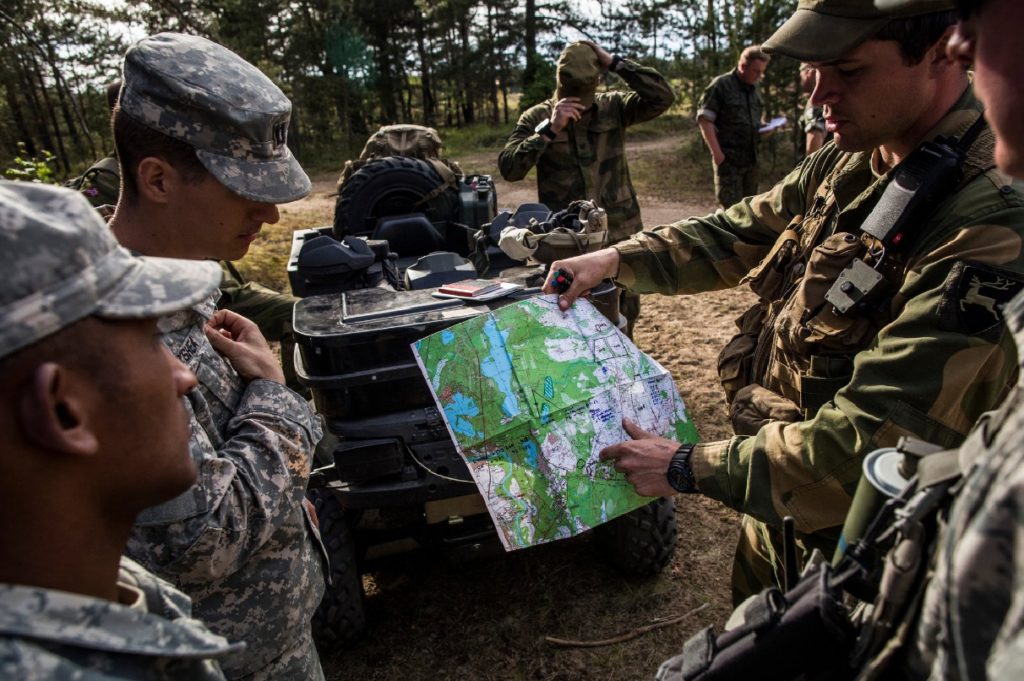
[
  {"x": 155, "y": 179},
  {"x": 938, "y": 55},
  {"x": 53, "y": 413}
]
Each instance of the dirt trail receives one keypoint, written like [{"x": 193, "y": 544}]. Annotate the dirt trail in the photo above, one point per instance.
[{"x": 445, "y": 617}]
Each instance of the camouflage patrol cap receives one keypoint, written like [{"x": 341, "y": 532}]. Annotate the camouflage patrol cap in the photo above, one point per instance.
[
  {"x": 61, "y": 264},
  {"x": 822, "y": 30},
  {"x": 578, "y": 73},
  {"x": 207, "y": 96}
]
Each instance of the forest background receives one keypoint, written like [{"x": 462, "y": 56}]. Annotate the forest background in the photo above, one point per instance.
[{"x": 466, "y": 67}]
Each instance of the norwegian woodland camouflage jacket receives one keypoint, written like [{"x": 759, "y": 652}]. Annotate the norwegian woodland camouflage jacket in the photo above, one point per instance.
[
  {"x": 926, "y": 361},
  {"x": 587, "y": 160}
]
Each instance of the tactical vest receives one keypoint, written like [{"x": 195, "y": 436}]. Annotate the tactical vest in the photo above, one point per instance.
[{"x": 794, "y": 350}]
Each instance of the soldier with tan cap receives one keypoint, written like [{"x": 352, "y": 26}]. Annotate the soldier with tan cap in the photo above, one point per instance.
[
  {"x": 815, "y": 384},
  {"x": 577, "y": 140}
]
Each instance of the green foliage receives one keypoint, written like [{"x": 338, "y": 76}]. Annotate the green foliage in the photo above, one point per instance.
[
  {"x": 26, "y": 168},
  {"x": 541, "y": 87}
]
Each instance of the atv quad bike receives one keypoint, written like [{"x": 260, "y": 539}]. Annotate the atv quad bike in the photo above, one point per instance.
[{"x": 395, "y": 481}]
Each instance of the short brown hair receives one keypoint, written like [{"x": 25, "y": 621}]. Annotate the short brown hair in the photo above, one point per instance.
[
  {"x": 916, "y": 35},
  {"x": 754, "y": 53},
  {"x": 135, "y": 142}
]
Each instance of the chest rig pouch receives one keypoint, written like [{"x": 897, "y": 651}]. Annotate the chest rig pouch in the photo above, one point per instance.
[{"x": 823, "y": 298}]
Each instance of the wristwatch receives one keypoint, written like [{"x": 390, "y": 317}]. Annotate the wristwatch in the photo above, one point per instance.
[
  {"x": 616, "y": 63},
  {"x": 680, "y": 475},
  {"x": 545, "y": 129}
]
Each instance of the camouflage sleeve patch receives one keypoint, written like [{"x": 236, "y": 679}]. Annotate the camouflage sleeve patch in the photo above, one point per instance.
[{"x": 973, "y": 297}]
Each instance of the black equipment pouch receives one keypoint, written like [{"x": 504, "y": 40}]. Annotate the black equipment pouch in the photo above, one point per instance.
[
  {"x": 920, "y": 182},
  {"x": 810, "y": 618}
]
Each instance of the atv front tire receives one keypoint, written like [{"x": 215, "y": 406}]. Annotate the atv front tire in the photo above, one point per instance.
[
  {"x": 340, "y": 619},
  {"x": 641, "y": 542}
]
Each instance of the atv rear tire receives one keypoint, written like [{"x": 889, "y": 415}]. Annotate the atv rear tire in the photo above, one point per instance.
[
  {"x": 392, "y": 185},
  {"x": 640, "y": 543},
  {"x": 339, "y": 620}
]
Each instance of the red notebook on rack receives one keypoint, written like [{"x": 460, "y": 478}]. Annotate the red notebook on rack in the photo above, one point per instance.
[{"x": 470, "y": 288}]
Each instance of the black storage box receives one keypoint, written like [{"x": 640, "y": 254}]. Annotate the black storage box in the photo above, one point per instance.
[{"x": 354, "y": 348}]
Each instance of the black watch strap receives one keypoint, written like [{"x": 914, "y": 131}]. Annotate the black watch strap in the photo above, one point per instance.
[
  {"x": 680, "y": 474},
  {"x": 616, "y": 62}
]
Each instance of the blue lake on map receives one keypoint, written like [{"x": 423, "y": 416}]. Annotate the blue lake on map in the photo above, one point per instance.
[
  {"x": 498, "y": 367},
  {"x": 458, "y": 411}
]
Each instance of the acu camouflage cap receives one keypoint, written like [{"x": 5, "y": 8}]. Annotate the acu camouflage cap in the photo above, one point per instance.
[
  {"x": 61, "y": 264},
  {"x": 578, "y": 73},
  {"x": 822, "y": 30},
  {"x": 207, "y": 96}
]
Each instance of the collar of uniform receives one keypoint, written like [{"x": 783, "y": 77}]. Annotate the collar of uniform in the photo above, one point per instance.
[
  {"x": 78, "y": 621},
  {"x": 197, "y": 314},
  {"x": 956, "y": 121},
  {"x": 735, "y": 73},
  {"x": 959, "y": 117}
]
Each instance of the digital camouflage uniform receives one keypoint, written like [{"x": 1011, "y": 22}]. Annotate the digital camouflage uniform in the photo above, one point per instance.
[
  {"x": 971, "y": 625},
  {"x": 736, "y": 109},
  {"x": 61, "y": 265},
  {"x": 56, "y": 635},
  {"x": 587, "y": 160},
  {"x": 239, "y": 542},
  {"x": 822, "y": 390}
]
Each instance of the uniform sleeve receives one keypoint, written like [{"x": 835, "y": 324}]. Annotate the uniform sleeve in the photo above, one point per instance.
[
  {"x": 715, "y": 251},
  {"x": 710, "y": 101},
  {"x": 524, "y": 146},
  {"x": 926, "y": 374},
  {"x": 249, "y": 485},
  {"x": 651, "y": 95}
]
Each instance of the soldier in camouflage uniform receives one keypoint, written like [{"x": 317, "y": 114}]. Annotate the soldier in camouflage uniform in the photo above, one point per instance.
[
  {"x": 201, "y": 135},
  {"x": 94, "y": 430},
  {"x": 577, "y": 140},
  {"x": 729, "y": 116},
  {"x": 270, "y": 310},
  {"x": 970, "y": 626},
  {"x": 812, "y": 390}
]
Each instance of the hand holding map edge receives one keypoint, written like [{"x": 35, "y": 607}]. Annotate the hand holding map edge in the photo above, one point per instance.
[
  {"x": 644, "y": 460},
  {"x": 587, "y": 271}
]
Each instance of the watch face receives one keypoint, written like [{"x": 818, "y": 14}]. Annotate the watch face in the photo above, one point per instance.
[{"x": 677, "y": 479}]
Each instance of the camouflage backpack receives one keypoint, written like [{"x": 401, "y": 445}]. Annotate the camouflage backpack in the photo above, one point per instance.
[
  {"x": 101, "y": 183},
  {"x": 415, "y": 141}
]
